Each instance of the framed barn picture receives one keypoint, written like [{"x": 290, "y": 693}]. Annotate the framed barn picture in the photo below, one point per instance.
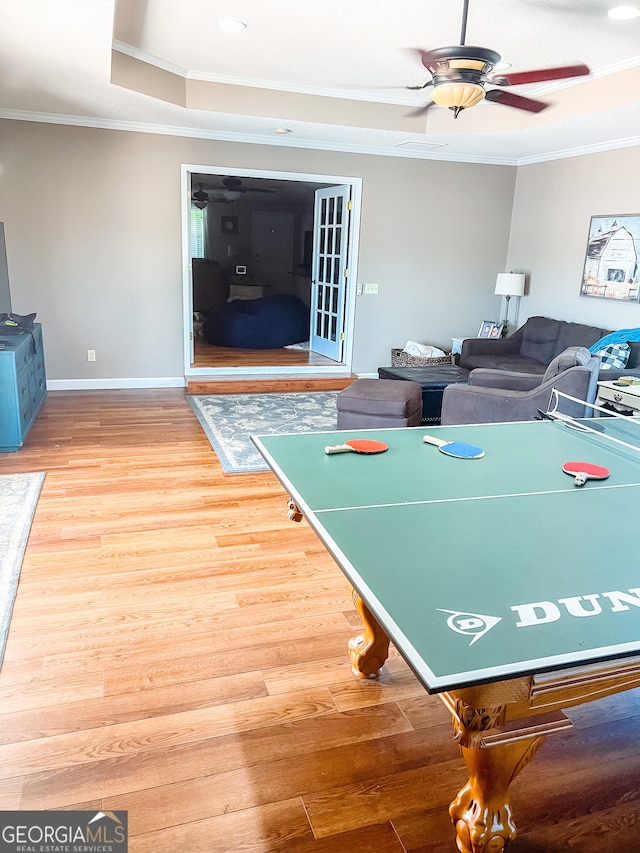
[{"x": 612, "y": 263}]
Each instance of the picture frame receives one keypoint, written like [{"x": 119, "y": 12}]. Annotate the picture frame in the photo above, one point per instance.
[
  {"x": 229, "y": 225},
  {"x": 490, "y": 329},
  {"x": 612, "y": 259}
]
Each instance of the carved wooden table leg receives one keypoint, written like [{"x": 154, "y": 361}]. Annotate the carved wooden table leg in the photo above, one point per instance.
[
  {"x": 369, "y": 650},
  {"x": 481, "y": 811},
  {"x": 498, "y": 737}
]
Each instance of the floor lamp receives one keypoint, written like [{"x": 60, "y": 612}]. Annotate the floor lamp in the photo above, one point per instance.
[{"x": 509, "y": 284}]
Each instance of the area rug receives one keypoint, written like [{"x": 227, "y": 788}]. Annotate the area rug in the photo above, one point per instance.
[
  {"x": 229, "y": 420},
  {"x": 19, "y": 495}
]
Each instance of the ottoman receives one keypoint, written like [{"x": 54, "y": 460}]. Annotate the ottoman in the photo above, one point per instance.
[
  {"x": 433, "y": 380},
  {"x": 372, "y": 403}
]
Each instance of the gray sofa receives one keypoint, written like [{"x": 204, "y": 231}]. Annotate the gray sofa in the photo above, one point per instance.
[
  {"x": 535, "y": 344},
  {"x": 531, "y": 348}
]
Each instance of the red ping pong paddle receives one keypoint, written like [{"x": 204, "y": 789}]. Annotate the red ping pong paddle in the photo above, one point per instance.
[
  {"x": 583, "y": 471},
  {"x": 358, "y": 445}
]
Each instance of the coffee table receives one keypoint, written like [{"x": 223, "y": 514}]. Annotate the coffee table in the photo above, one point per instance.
[{"x": 433, "y": 380}]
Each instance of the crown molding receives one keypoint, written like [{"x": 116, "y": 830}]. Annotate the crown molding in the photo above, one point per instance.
[{"x": 396, "y": 150}]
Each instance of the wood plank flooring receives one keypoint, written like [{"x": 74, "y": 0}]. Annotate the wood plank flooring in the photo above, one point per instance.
[
  {"x": 178, "y": 650},
  {"x": 208, "y": 355}
]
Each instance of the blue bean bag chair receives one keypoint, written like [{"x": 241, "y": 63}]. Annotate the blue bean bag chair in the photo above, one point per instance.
[{"x": 267, "y": 323}]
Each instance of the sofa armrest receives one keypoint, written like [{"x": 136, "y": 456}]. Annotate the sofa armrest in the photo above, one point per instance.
[
  {"x": 509, "y": 380},
  {"x": 490, "y": 346}
]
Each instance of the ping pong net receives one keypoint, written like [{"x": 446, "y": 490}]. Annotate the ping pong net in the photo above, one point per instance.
[{"x": 606, "y": 424}]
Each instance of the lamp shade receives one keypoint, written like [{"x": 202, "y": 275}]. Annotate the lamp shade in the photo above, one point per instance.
[{"x": 509, "y": 284}]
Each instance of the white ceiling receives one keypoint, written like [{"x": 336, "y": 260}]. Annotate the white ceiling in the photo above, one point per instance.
[{"x": 332, "y": 72}]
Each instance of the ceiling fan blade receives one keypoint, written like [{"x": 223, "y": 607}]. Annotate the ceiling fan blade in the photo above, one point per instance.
[
  {"x": 419, "y": 88},
  {"x": 561, "y": 73},
  {"x": 420, "y": 111},
  {"x": 425, "y": 56},
  {"x": 509, "y": 99},
  {"x": 256, "y": 190}
]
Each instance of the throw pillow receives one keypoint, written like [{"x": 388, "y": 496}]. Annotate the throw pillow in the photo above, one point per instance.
[
  {"x": 634, "y": 358},
  {"x": 614, "y": 357}
]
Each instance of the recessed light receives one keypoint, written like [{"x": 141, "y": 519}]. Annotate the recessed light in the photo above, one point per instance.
[
  {"x": 624, "y": 13},
  {"x": 232, "y": 26},
  {"x": 282, "y": 130}
]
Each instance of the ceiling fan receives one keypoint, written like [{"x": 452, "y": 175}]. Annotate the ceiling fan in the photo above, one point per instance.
[
  {"x": 459, "y": 75},
  {"x": 200, "y": 198},
  {"x": 231, "y": 189}
]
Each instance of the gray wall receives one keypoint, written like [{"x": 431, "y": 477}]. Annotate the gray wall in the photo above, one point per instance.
[
  {"x": 553, "y": 206},
  {"x": 93, "y": 225}
]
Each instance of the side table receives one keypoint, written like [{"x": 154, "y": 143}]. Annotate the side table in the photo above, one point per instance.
[
  {"x": 621, "y": 397},
  {"x": 433, "y": 380},
  {"x": 456, "y": 344}
]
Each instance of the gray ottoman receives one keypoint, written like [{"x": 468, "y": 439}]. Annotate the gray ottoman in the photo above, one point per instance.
[{"x": 373, "y": 403}]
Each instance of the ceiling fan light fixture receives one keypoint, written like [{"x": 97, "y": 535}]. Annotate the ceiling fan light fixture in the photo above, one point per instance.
[
  {"x": 200, "y": 198},
  {"x": 624, "y": 13},
  {"x": 457, "y": 96},
  {"x": 232, "y": 195}
]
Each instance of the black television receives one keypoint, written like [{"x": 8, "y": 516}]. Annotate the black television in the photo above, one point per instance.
[{"x": 5, "y": 292}]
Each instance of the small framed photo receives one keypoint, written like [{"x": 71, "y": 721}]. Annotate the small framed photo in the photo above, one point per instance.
[
  {"x": 229, "y": 224},
  {"x": 490, "y": 329}
]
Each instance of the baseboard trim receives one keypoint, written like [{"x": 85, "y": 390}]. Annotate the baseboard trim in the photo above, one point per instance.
[{"x": 116, "y": 384}]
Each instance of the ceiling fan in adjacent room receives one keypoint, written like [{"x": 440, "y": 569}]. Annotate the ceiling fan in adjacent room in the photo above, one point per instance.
[
  {"x": 200, "y": 198},
  {"x": 231, "y": 190},
  {"x": 460, "y": 74}
]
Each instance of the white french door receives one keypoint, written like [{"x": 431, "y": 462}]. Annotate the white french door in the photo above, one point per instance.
[{"x": 329, "y": 273}]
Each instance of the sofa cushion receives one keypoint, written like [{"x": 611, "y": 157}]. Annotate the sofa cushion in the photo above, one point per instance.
[
  {"x": 539, "y": 339},
  {"x": 634, "y": 355},
  {"x": 522, "y": 365},
  {"x": 576, "y": 335}
]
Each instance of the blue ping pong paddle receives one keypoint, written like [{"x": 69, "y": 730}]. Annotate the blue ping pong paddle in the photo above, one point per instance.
[{"x": 459, "y": 449}]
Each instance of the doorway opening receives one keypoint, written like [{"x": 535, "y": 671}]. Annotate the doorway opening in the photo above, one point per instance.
[{"x": 265, "y": 234}]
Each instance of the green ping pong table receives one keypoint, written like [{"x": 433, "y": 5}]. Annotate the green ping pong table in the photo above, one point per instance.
[{"x": 494, "y": 578}]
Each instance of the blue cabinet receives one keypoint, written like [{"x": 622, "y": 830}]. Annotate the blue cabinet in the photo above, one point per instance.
[{"x": 23, "y": 385}]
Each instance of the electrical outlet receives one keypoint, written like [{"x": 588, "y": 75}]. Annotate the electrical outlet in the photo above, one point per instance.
[
  {"x": 370, "y": 287},
  {"x": 91, "y": 355}
]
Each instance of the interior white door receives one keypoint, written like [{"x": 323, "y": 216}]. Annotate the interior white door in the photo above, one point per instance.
[{"x": 329, "y": 273}]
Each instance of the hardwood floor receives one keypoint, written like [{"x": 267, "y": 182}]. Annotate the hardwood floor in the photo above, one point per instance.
[
  {"x": 178, "y": 650},
  {"x": 208, "y": 355}
]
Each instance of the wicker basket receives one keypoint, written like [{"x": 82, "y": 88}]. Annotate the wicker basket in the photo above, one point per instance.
[{"x": 399, "y": 358}]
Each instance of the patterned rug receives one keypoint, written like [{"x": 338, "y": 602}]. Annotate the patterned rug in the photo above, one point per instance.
[
  {"x": 19, "y": 495},
  {"x": 230, "y": 419}
]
